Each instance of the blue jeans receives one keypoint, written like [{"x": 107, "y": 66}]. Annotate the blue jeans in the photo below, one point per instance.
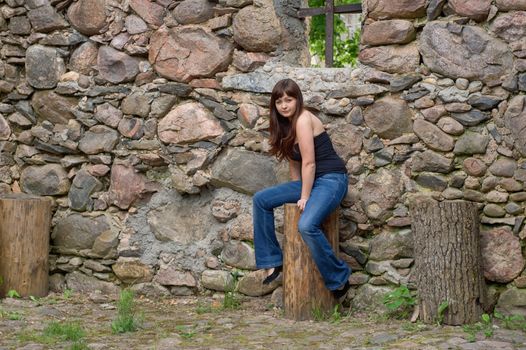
[{"x": 327, "y": 192}]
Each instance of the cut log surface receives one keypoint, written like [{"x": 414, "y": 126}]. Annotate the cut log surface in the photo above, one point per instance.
[
  {"x": 448, "y": 261},
  {"x": 304, "y": 292},
  {"x": 24, "y": 244}
]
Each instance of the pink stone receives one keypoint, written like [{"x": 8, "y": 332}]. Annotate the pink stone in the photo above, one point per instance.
[
  {"x": 474, "y": 9},
  {"x": 474, "y": 167},
  {"x": 151, "y": 12},
  {"x": 205, "y": 83},
  {"x": 126, "y": 185},
  {"x": 501, "y": 255},
  {"x": 248, "y": 114},
  {"x": 98, "y": 169},
  {"x": 188, "y": 123}
]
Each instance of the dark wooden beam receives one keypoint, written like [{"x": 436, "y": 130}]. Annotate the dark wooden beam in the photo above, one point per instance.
[
  {"x": 329, "y": 33},
  {"x": 351, "y": 8}
]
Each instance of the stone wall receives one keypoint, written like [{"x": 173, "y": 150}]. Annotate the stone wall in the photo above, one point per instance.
[{"x": 146, "y": 122}]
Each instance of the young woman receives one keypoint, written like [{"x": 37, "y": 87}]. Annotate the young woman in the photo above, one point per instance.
[{"x": 319, "y": 183}]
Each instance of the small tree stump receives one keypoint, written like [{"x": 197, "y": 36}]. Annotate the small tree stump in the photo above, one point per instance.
[
  {"x": 24, "y": 244},
  {"x": 448, "y": 261},
  {"x": 303, "y": 287}
]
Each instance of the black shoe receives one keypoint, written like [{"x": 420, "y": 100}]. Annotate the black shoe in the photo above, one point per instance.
[
  {"x": 273, "y": 275},
  {"x": 338, "y": 293}
]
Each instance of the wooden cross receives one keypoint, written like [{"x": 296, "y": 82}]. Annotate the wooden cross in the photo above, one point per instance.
[{"x": 329, "y": 10}]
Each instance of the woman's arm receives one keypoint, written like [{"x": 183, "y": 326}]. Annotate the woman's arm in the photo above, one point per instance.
[
  {"x": 294, "y": 170},
  {"x": 305, "y": 137}
]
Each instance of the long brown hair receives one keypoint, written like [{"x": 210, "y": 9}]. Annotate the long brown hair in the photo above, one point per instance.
[{"x": 282, "y": 129}]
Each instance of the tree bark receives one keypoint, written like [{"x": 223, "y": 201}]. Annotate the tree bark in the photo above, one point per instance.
[
  {"x": 447, "y": 261},
  {"x": 24, "y": 244},
  {"x": 303, "y": 289}
]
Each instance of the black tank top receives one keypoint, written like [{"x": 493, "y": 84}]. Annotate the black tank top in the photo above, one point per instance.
[{"x": 325, "y": 157}]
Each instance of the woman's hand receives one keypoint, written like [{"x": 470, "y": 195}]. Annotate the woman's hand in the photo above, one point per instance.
[{"x": 301, "y": 203}]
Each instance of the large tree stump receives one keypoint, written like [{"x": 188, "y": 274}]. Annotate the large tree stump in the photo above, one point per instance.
[
  {"x": 24, "y": 244},
  {"x": 447, "y": 260},
  {"x": 303, "y": 287}
]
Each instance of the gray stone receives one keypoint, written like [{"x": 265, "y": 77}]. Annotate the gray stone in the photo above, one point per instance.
[
  {"x": 370, "y": 299},
  {"x": 471, "y": 143},
  {"x": 494, "y": 210},
  {"x": 106, "y": 243},
  {"x": 452, "y": 193},
  {"x": 357, "y": 90},
  {"x": 471, "y": 118},
  {"x": 234, "y": 169},
  {"x": 432, "y": 136},
  {"x": 193, "y": 11},
  {"x": 510, "y": 5},
  {"x": 65, "y": 37},
  {"x": 108, "y": 115},
  {"x": 392, "y": 245},
  {"x": 98, "y": 139},
  {"x": 239, "y": 254},
  {"x": 251, "y": 284},
  {"x": 513, "y": 208},
  {"x": 46, "y": 180},
  {"x": 432, "y": 181},
  {"x": 504, "y": 167},
  {"x": 512, "y": 302},
  {"x": 464, "y": 51},
  {"x": 115, "y": 66},
  {"x": 431, "y": 161},
  {"x": 19, "y": 25},
  {"x": 484, "y": 102},
  {"x": 389, "y": 117},
  {"x": 384, "y": 9},
  {"x": 45, "y": 19},
  {"x": 501, "y": 255},
  {"x": 44, "y": 66},
  {"x": 497, "y": 197},
  {"x": 76, "y": 231},
  {"x": 137, "y": 104},
  {"x": 450, "y": 126},
  {"x": 453, "y": 94},
  {"x": 80, "y": 283},
  {"x": 251, "y": 82},
  {"x": 171, "y": 275},
  {"x": 472, "y": 195},
  {"x": 84, "y": 59},
  {"x": 81, "y": 189},
  {"x": 515, "y": 121},
  {"x": 52, "y": 107},
  {"x": 5, "y": 129},
  {"x": 380, "y": 192},
  {"x": 434, "y": 9},
  {"x": 135, "y": 25},
  {"x": 217, "y": 280}
]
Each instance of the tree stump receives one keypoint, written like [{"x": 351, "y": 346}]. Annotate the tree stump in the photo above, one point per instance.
[
  {"x": 24, "y": 244},
  {"x": 303, "y": 289},
  {"x": 448, "y": 261}
]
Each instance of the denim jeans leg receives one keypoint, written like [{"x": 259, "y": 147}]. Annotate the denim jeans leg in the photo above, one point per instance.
[
  {"x": 326, "y": 195},
  {"x": 268, "y": 251}
]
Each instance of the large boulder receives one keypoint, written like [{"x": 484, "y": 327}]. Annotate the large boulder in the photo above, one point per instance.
[
  {"x": 189, "y": 123},
  {"x": 52, "y": 107},
  {"x": 116, "y": 66},
  {"x": 380, "y": 192},
  {"x": 176, "y": 56},
  {"x": 392, "y": 245},
  {"x": 45, "y": 19},
  {"x": 82, "y": 283},
  {"x": 77, "y": 231},
  {"x": 512, "y": 302},
  {"x": 257, "y": 28},
  {"x": 44, "y": 66},
  {"x": 464, "y": 51},
  {"x": 88, "y": 16},
  {"x": 510, "y": 26},
  {"x": 193, "y": 11},
  {"x": 502, "y": 258},
  {"x": 474, "y": 9},
  {"x": 389, "y": 117},
  {"x": 385, "y": 9},
  {"x": 392, "y": 58},
  {"x": 45, "y": 180},
  {"x": 510, "y": 5},
  {"x": 235, "y": 169},
  {"x": 397, "y": 31}
]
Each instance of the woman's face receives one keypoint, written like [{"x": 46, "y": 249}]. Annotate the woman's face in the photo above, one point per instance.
[{"x": 286, "y": 105}]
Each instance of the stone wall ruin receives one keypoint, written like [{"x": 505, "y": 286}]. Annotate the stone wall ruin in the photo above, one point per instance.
[{"x": 146, "y": 123}]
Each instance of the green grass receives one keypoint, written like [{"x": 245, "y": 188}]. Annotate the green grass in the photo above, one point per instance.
[
  {"x": 67, "y": 293},
  {"x": 333, "y": 316},
  {"x": 127, "y": 319},
  {"x": 65, "y": 331},
  {"x": 186, "y": 332},
  {"x": 231, "y": 301}
]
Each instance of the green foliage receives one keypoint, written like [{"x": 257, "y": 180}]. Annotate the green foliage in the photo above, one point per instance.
[
  {"x": 345, "y": 50},
  {"x": 13, "y": 294},
  {"x": 333, "y": 316},
  {"x": 399, "y": 302},
  {"x": 127, "y": 319},
  {"x": 441, "y": 310},
  {"x": 186, "y": 332},
  {"x": 511, "y": 321},
  {"x": 485, "y": 325},
  {"x": 231, "y": 300},
  {"x": 65, "y": 331},
  {"x": 67, "y": 293},
  {"x": 203, "y": 309}
]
